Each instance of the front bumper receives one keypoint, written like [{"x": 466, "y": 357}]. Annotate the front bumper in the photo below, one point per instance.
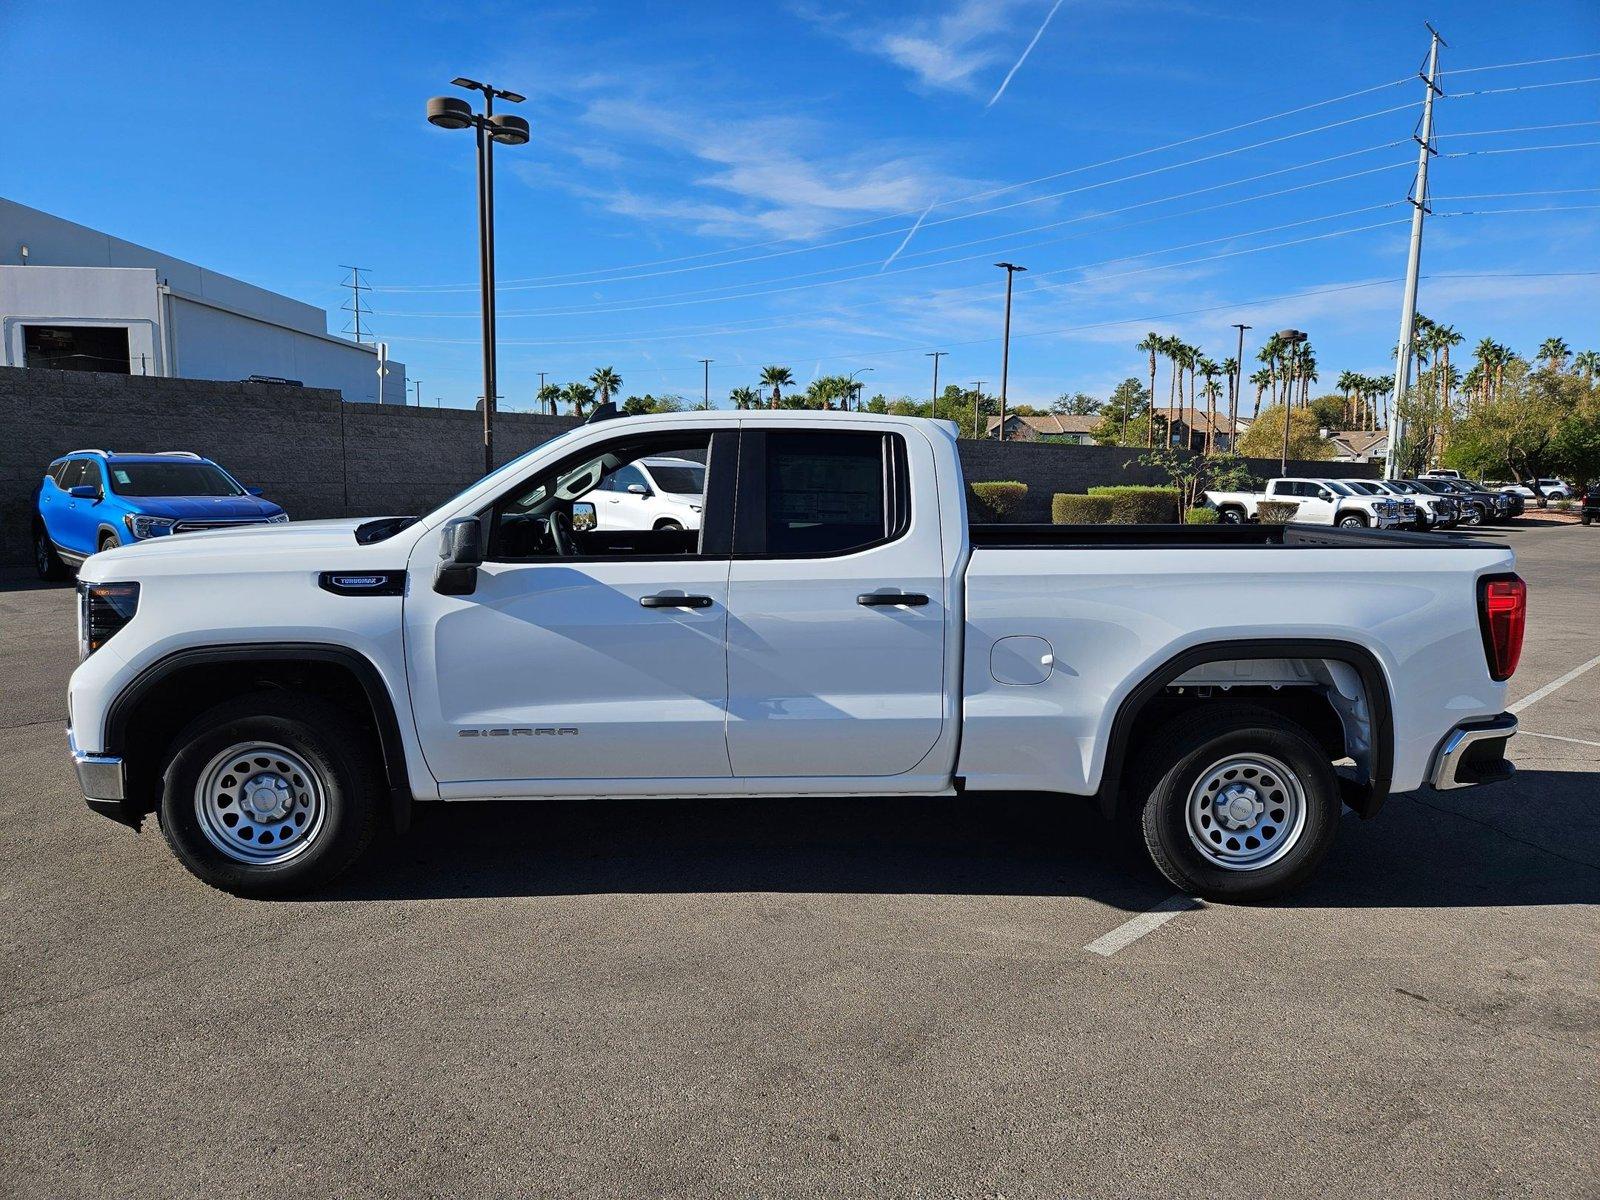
[
  {"x": 1474, "y": 752},
  {"x": 104, "y": 780}
]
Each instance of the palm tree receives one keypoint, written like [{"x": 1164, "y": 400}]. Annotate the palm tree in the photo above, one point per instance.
[
  {"x": 1230, "y": 371},
  {"x": 1587, "y": 361},
  {"x": 776, "y": 378},
  {"x": 1262, "y": 380},
  {"x": 1208, "y": 371},
  {"x": 606, "y": 381},
  {"x": 1484, "y": 353},
  {"x": 1271, "y": 354},
  {"x": 745, "y": 397},
  {"x": 549, "y": 396},
  {"x": 1346, "y": 383},
  {"x": 1555, "y": 353},
  {"x": 578, "y": 396},
  {"x": 1152, "y": 344}
]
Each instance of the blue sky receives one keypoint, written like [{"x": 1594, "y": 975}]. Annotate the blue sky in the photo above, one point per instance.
[{"x": 738, "y": 180}]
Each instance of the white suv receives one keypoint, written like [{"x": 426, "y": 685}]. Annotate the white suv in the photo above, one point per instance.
[
  {"x": 652, "y": 493},
  {"x": 1553, "y": 489}
]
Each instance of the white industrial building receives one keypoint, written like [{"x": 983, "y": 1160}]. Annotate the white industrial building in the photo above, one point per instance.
[{"x": 77, "y": 299}]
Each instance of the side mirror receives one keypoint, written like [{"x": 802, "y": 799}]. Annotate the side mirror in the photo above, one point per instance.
[
  {"x": 84, "y": 492},
  {"x": 252, "y": 491},
  {"x": 460, "y": 553},
  {"x": 638, "y": 489},
  {"x": 583, "y": 516}
]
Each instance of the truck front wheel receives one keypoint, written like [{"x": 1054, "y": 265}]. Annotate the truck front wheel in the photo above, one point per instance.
[
  {"x": 270, "y": 794},
  {"x": 1239, "y": 803}
]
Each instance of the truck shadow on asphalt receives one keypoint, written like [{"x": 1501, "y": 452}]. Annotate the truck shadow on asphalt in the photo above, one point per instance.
[{"x": 1485, "y": 847}]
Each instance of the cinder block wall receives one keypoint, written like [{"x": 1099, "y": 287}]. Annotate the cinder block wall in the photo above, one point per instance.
[{"x": 320, "y": 457}]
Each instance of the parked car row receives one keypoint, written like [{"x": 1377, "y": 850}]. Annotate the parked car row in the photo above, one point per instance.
[
  {"x": 1427, "y": 502},
  {"x": 93, "y": 500}
]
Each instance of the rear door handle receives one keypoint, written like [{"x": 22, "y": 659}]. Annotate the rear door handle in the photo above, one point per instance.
[
  {"x": 665, "y": 601},
  {"x": 877, "y": 599}
]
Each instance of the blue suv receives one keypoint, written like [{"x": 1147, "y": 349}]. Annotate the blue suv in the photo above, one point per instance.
[{"x": 92, "y": 500}]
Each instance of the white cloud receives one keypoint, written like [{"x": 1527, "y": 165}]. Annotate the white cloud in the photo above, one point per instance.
[{"x": 947, "y": 50}]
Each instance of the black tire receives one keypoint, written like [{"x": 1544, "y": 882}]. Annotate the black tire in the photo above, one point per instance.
[
  {"x": 1471, "y": 515},
  {"x": 47, "y": 563},
  {"x": 1231, "y": 515},
  {"x": 1586, "y": 519},
  {"x": 108, "y": 541},
  {"x": 1352, "y": 521},
  {"x": 1187, "y": 749},
  {"x": 668, "y": 523},
  {"x": 346, "y": 774}
]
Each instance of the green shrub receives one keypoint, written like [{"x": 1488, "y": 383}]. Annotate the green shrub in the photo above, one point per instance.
[
  {"x": 1200, "y": 516},
  {"x": 1277, "y": 512},
  {"x": 1140, "y": 505},
  {"x": 999, "y": 501},
  {"x": 1561, "y": 505},
  {"x": 1070, "y": 508}
]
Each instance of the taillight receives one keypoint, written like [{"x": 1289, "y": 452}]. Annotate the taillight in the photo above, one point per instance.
[{"x": 1502, "y": 616}]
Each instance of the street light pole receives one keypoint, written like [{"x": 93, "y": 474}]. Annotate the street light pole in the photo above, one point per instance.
[
  {"x": 855, "y": 388},
  {"x": 977, "y": 405},
  {"x": 936, "y": 355},
  {"x": 1005, "y": 350},
  {"x": 447, "y": 112},
  {"x": 706, "y": 363},
  {"x": 1291, "y": 338},
  {"x": 1238, "y": 388}
]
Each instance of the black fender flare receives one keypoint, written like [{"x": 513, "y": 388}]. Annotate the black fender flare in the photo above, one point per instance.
[
  {"x": 1365, "y": 800},
  {"x": 385, "y": 714}
]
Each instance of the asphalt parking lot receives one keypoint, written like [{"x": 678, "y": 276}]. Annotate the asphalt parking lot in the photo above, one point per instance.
[{"x": 813, "y": 998}]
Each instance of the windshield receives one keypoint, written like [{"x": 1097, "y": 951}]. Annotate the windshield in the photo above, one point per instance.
[
  {"x": 1363, "y": 487},
  {"x": 171, "y": 479},
  {"x": 1337, "y": 488},
  {"x": 1401, "y": 486},
  {"x": 680, "y": 481}
]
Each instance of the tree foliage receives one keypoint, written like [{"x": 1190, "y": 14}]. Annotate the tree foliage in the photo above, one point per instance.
[{"x": 1264, "y": 439}]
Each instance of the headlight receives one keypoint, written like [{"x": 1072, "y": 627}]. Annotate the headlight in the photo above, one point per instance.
[
  {"x": 103, "y": 608},
  {"x": 278, "y": 519},
  {"x": 143, "y": 527}
]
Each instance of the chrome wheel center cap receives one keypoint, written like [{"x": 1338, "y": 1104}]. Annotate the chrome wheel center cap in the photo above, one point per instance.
[
  {"x": 267, "y": 797},
  {"x": 1238, "y": 806}
]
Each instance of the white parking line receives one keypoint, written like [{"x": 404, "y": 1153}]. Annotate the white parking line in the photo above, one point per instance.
[
  {"x": 1146, "y": 922},
  {"x": 1555, "y": 737},
  {"x": 1534, "y": 697}
]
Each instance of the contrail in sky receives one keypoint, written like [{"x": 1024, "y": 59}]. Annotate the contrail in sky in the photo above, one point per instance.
[
  {"x": 906, "y": 241},
  {"x": 1001, "y": 91}
]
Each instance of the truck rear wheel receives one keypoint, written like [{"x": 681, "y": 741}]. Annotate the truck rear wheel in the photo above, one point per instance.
[
  {"x": 270, "y": 794},
  {"x": 1238, "y": 803}
]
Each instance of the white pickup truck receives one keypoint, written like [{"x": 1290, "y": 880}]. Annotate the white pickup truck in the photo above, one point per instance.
[
  {"x": 1321, "y": 501},
  {"x": 834, "y": 627}
]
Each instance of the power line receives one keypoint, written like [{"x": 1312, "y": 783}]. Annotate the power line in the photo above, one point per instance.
[
  {"x": 1514, "y": 129},
  {"x": 1526, "y": 87},
  {"x": 1506, "y": 195},
  {"x": 1527, "y": 62},
  {"x": 1517, "y": 149},
  {"x": 727, "y": 292},
  {"x": 587, "y": 276}
]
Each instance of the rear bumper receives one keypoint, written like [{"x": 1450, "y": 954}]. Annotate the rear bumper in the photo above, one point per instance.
[{"x": 1474, "y": 752}]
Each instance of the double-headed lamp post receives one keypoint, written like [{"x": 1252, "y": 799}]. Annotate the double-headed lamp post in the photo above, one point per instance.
[
  {"x": 1291, "y": 338},
  {"x": 451, "y": 112}
]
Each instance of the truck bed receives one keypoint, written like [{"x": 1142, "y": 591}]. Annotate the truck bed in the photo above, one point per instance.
[{"x": 1199, "y": 537}]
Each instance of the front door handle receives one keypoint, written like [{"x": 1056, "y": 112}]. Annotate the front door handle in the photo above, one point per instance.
[
  {"x": 665, "y": 601},
  {"x": 876, "y": 599}
]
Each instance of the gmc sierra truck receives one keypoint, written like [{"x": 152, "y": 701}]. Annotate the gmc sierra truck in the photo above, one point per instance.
[{"x": 834, "y": 627}]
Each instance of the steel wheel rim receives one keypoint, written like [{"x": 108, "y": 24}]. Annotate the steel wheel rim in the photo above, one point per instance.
[
  {"x": 1245, "y": 812},
  {"x": 260, "y": 803}
]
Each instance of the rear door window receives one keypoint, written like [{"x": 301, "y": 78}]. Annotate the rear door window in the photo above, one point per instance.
[{"x": 821, "y": 494}]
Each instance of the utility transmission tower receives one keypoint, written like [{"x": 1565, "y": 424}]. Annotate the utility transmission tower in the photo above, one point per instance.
[
  {"x": 1419, "y": 209},
  {"x": 357, "y": 307}
]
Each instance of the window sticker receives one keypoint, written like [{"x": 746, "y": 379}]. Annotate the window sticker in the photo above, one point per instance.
[{"x": 119, "y": 475}]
